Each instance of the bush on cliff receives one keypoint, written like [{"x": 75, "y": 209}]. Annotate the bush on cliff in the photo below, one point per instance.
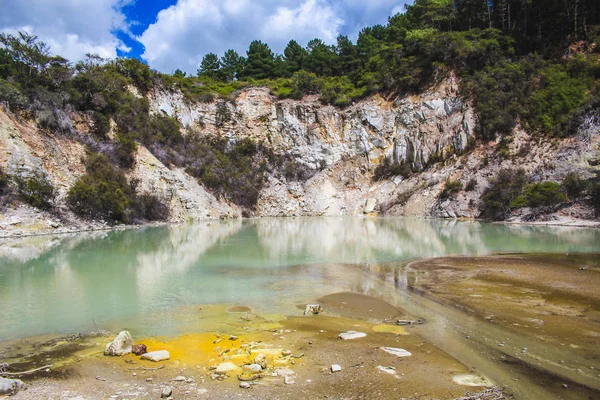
[
  {"x": 503, "y": 189},
  {"x": 104, "y": 193},
  {"x": 35, "y": 190}
]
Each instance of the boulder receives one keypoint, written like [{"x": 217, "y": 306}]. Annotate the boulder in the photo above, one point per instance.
[
  {"x": 10, "y": 386},
  {"x": 225, "y": 367},
  {"x": 351, "y": 335},
  {"x": 139, "y": 349},
  {"x": 160, "y": 355},
  {"x": 122, "y": 345},
  {"x": 313, "y": 309},
  {"x": 370, "y": 205}
]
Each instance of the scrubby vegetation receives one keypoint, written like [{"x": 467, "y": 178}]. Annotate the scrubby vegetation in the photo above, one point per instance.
[
  {"x": 510, "y": 191},
  {"x": 451, "y": 188},
  {"x": 104, "y": 193}
]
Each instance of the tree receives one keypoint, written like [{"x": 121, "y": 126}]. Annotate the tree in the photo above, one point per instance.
[
  {"x": 232, "y": 65},
  {"x": 295, "y": 56},
  {"x": 347, "y": 56},
  {"x": 260, "y": 63},
  {"x": 210, "y": 66},
  {"x": 321, "y": 58}
]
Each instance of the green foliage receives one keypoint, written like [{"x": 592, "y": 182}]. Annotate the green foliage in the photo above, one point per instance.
[
  {"x": 260, "y": 62},
  {"x": 35, "y": 190},
  {"x": 503, "y": 190},
  {"x": 210, "y": 66},
  {"x": 4, "y": 181},
  {"x": 388, "y": 169},
  {"x": 471, "y": 185},
  {"x": 543, "y": 194},
  {"x": 103, "y": 192},
  {"x": 451, "y": 188},
  {"x": 574, "y": 186}
]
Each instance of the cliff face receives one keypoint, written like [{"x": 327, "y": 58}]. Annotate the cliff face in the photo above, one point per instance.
[{"x": 342, "y": 146}]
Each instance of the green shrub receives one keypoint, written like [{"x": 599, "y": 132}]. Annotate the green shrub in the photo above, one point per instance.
[
  {"x": 471, "y": 185},
  {"x": 595, "y": 196},
  {"x": 451, "y": 188},
  {"x": 149, "y": 207},
  {"x": 574, "y": 186},
  {"x": 388, "y": 169},
  {"x": 543, "y": 194},
  {"x": 35, "y": 190},
  {"x": 4, "y": 181},
  {"x": 125, "y": 150},
  {"x": 101, "y": 125},
  {"x": 503, "y": 190},
  {"x": 103, "y": 192}
]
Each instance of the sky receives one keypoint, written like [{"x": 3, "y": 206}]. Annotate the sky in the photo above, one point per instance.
[{"x": 176, "y": 34}]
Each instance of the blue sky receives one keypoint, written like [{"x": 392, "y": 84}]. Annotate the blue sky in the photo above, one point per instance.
[{"x": 171, "y": 34}]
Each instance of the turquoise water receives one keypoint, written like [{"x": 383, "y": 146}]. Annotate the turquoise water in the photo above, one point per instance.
[{"x": 66, "y": 284}]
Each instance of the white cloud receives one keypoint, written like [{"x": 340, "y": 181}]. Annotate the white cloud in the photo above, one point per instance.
[
  {"x": 72, "y": 28},
  {"x": 186, "y": 31}
]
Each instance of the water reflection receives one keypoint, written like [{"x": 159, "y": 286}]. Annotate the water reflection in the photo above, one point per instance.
[{"x": 62, "y": 283}]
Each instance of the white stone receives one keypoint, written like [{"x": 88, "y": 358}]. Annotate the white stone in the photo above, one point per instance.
[
  {"x": 471, "y": 380},
  {"x": 159, "y": 355},
  {"x": 387, "y": 370},
  {"x": 225, "y": 367},
  {"x": 351, "y": 335},
  {"x": 253, "y": 367},
  {"x": 335, "y": 368},
  {"x": 396, "y": 351},
  {"x": 313, "y": 309},
  {"x": 370, "y": 205},
  {"x": 120, "y": 346},
  {"x": 10, "y": 386}
]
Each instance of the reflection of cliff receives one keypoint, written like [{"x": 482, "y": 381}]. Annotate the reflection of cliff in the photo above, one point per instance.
[{"x": 182, "y": 247}]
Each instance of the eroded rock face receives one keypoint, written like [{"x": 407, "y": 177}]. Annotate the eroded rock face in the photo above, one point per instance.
[{"x": 411, "y": 128}]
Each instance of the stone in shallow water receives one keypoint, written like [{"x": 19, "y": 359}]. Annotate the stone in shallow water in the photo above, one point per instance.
[
  {"x": 313, "y": 309},
  {"x": 471, "y": 380},
  {"x": 225, "y": 367},
  {"x": 351, "y": 335},
  {"x": 10, "y": 386},
  {"x": 387, "y": 370},
  {"x": 396, "y": 351},
  {"x": 122, "y": 345},
  {"x": 159, "y": 355}
]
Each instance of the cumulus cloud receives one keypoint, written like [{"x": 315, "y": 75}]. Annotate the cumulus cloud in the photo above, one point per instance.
[
  {"x": 186, "y": 31},
  {"x": 72, "y": 28}
]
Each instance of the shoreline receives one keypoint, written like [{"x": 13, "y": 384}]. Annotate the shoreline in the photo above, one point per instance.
[{"x": 17, "y": 233}]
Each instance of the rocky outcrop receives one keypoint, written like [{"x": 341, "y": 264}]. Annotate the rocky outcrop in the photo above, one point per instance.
[
  {"x": 120, "y": 346},
  {"x": 341, "y": 146}
]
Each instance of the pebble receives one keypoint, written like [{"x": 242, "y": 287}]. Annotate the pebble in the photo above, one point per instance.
[
  {"x": 335, "y": 368},
  {"x": 253, "y": 368},
  {"x": 288, "y": 380},
  {"x": 149, "y": 379},
  {"x": 396, "y": 351},
  {"x": 167, "y": 391},
  {"x": 156, "y": 356},
  {"x": 244, "y": 385},
  {"x": 180, "y": 378}
]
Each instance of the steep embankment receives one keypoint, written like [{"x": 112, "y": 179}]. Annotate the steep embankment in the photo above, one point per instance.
[{"x": 435, "y": 129}]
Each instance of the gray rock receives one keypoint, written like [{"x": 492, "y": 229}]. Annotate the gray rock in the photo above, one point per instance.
[
  {"x": 180, "y": 378},
  {"x": 159, "y": 355},
  {"x": 313, "y": 309},
  {"x": 261, "y": 360},
  {"x": 166, "y": 392},
  {"x": 370, "y": 206},
  {"x": 351, "y": 335},
  {"x": 245, "y": 385},
  {"x": 254, "y": 368},
  {"x": 122, "y": 345},
  {"x": 10, "y": 386}
]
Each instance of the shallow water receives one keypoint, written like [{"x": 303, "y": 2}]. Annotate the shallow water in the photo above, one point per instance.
[{"x": 141, "y": 279}]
